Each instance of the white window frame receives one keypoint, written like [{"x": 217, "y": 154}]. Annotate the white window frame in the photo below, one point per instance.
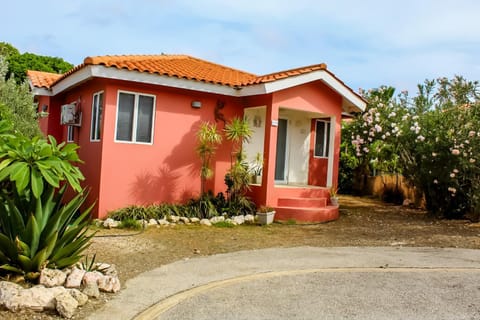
[
  {"x": 70, "y": 134},
  {"x": 96, "y": 121},
  {"x": 326, "y": 137},
  {"x": 135, "y": 117}
]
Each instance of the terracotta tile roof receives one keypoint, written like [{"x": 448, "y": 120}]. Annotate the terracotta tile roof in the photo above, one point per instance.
[
  {"x": 179, "y": 66},
  {"x": 287, "y": 73},
  {"x": 42, "y": 79}
]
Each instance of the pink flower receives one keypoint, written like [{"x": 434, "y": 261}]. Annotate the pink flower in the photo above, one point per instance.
[
  {"x": 452, "y": 175},
  {"x": 455, "y": 152},
  {"x": 435, "y": 181},
  {"x": 471, "y": 134},
  {"x": 472, "y": 160},
  {"x": 452, "y": 190}
]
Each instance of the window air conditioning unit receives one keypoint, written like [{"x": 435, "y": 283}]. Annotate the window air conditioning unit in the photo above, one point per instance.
[{"x": 70, "y": 115}]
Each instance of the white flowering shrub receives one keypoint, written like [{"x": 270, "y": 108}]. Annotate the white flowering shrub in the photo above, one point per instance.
[{"x": 432, "y": 139}]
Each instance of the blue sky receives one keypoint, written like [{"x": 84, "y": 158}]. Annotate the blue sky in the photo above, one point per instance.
[{"x": 365, "y": 43}]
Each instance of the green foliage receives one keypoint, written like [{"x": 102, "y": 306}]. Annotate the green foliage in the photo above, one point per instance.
[
  {"x": 20, "y": 63},
  {"x": 90, "y": 265},
  {"x": 239, "y": 176},
  {"x": 133, "y": 212},
  {"x": 16, "y": 104},
  {"x": 432, "y": 139},
  {"x": 224, "y": 224},
  {"x": 36, "y": 228},
  {"x": 130, "y": 223},
  {"x": 208, "y": 140}
]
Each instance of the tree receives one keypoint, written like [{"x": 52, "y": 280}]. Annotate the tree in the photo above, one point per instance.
[
  {"x": 18, "y": 64},
  {"x": 16, "y": 104},
  {"x": 432, "y": 139}
]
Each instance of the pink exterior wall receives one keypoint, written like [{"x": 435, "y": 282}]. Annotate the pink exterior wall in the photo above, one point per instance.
[
  {"x": 312, "y": 97},
  {"x": 168, "y": 170},
  {"x": 121, "y": 174}
]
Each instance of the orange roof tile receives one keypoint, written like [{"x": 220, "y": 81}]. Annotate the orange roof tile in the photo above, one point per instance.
[
  {"x": 42, "y": 79},
  {"x": 180, "y": 66}
]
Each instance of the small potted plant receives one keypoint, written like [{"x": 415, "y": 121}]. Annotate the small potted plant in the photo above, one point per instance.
[
  {"x": 334, "y": 196},
  {"x": 257, "y": 167},
  {"x": 265, "y": 215}
]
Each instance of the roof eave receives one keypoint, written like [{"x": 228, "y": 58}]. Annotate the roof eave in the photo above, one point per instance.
[{"x": 352, "y": 102}]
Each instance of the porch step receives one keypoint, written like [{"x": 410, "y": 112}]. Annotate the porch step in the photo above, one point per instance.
[
  {"x": 302, "y": 202},
  {"x": 302, "y": 214}
]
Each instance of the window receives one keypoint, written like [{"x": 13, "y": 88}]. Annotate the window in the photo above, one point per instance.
[
  {"x": 97, "y": 106},
  {"x": 70, "y": 134},
  {"x": 135, "y": 117},
  {"x": 322, "y": 138}
]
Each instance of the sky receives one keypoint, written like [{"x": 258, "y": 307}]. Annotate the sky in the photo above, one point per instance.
[{"x": 365, "y": 43}]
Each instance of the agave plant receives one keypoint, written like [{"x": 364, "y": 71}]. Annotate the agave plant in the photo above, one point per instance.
[{"x": 37, "y": 229}]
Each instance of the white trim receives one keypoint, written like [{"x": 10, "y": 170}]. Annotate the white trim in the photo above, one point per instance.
[
  {"x": 331, "y": 151},
  {"x": 97, "y": 120},
  {"x": 41, "y": 92},
  {"x": 152, "y": 78},
  {"x": 350, "y": 99},
  {"x": 72, "y": 80},
  {"x": 135, "y": 115}
]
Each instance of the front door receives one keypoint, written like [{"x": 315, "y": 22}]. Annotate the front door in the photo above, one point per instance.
[{"x": 281, "y": 157}]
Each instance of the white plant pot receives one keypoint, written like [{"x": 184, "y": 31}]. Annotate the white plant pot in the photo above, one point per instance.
[
  {"x": 258, "y": 179},
  {"x": 334, "y": 201},
  {"x": 265, "y": 217}
]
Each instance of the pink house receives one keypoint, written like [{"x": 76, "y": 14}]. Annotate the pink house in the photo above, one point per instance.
[{"x": 135, "y": 120}]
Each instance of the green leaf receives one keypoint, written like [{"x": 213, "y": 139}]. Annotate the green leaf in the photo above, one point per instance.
[
  {"x": 37, "y": 183},
  {"x": 21, "y": 176},
  {"x": 11, "y": 268},
  {"x": 32, "y": 235},
  {"x": 50, "y": 177},
  {"x": 5, "y": 163},
  {"x": 25, "y": 262},
  {"x": 39, "y": 259}
]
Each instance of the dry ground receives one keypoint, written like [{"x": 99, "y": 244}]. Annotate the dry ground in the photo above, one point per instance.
[{"x": 363, "y": 222}]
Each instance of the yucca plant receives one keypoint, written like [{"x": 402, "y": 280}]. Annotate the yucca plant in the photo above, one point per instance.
[{"x": 37, "y": 229}]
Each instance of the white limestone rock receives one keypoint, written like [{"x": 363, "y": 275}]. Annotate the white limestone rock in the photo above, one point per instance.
[
  {"x": 217, "y": 219},
  {"x": 52, "y": 277},
  {"x": 249, "y": 218},
  {"x": 66, "y": 305},
  {"x": 194, "y": 220},
  {"x": 152, "y": 222},
  {"x": 205, "y": 222},
  {"x": 110, "y": 223},
  {"x": 163, "y": 222},
  {"x": 7, "y": 290},
  {"x": 228, "y": 220},
  {"x": 74, "y": 279},
  {"x": 91, "y": 290},
  {"x": 109, "y": 284},
  {"x": 185, "y": 220},
  {"x": 92, "y": 277},
  {"x": 81, "y": 298},
  {"x": 239, "y": 219},
  {"x": 37, "y": 298},
  {"x": 173, "y": 219}
]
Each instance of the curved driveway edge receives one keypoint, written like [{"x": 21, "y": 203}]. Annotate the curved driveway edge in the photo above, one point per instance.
[{"x": 150, "y": 288}]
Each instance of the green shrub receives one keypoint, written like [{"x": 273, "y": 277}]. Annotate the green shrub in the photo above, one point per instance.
[
  {"x": 131, "y": 212},
  {"x": 37, "y": 229},
  {"x": 130, "y": 223}
]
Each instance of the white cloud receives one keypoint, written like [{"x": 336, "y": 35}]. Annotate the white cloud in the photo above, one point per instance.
[{"x": 366, "y": 43}]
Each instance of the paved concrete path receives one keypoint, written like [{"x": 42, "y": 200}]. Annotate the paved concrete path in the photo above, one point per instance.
[{"x": 308, "y": 283}]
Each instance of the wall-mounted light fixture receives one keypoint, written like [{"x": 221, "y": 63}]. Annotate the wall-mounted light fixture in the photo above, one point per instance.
[{"x": 196, "y": 104}]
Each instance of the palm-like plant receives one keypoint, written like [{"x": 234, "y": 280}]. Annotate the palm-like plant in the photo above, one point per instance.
[
  {"x": 208, "y": 140},
  {"x": 36, "y": 228}
]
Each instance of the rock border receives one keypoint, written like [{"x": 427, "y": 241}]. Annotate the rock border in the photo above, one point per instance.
[
  {"x": 173, "y": 220},
  {"x": 61, "y": 290}
]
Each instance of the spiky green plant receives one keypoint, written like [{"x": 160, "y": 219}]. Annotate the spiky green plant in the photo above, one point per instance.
[{"x": 37, "y": 229}]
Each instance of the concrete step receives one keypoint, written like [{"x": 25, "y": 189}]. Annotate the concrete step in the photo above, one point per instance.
[
  {"x": 302, "y": 214},
  {"x": 302, "y": 202}
]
